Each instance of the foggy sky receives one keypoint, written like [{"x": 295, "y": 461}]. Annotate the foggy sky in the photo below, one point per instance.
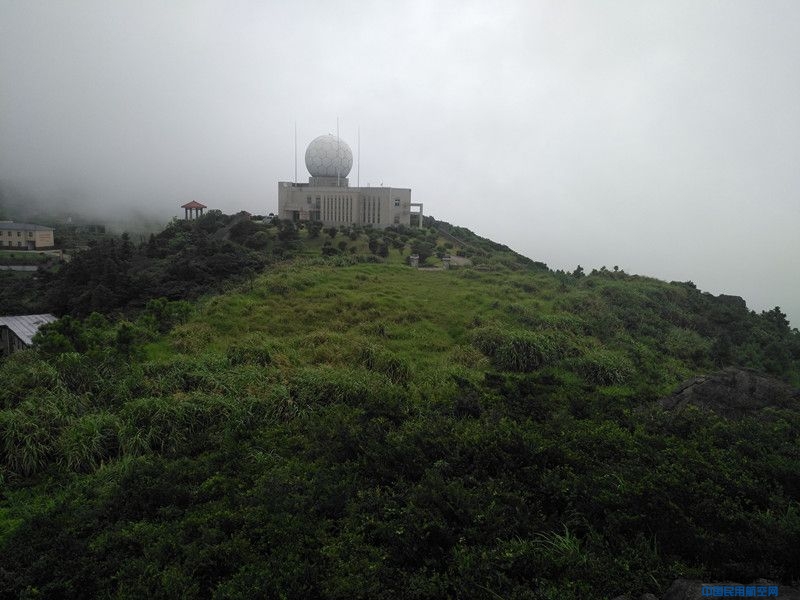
[{"x": 662, "y": 137}]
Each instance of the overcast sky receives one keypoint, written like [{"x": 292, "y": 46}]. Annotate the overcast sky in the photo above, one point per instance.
[{"x": 662, "y": 137}]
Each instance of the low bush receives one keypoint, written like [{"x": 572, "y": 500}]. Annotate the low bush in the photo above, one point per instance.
[
  {"x": 252, "y": 350},
  {"x": 604, "y": 367},
  {"x": 520, "y": 351}
]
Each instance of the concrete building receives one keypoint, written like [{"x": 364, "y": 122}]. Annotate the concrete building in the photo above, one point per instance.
[
  {"x": 16, "y": 333},
  {"x": 328, "y": 197},
  {"x": 25, "y": 236}
]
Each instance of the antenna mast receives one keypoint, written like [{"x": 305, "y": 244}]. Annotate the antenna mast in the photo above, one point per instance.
[
  {"x": 338, "y": 152},
  {"x": 358, "y": 168},
  {"x": 295, "y": 152}
]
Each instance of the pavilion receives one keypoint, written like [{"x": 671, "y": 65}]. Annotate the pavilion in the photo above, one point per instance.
[{"x": 193, "y": 209}]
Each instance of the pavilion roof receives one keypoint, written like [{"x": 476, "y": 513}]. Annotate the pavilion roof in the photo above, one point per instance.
[{"x": 194, "y": 204}]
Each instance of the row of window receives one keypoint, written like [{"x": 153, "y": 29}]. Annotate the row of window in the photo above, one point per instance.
[
  {"x": 19, "y": 234},
  {"x": 336, "y": 208},
  {"x": 340, "y": 208},
  {"x": 371, "y": 210}
]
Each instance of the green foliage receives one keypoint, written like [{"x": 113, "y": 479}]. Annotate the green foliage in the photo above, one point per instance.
[
  {"x": 28, "y": 435},
  {"x": 24, "y": 373},
  {"x": 186, "y": 260},
  {"x": 167, "y": 314},
  {"x": 252, "y": 350},
  {"x": 520, "y": 351},
  {"x": 688, "y": 345},
  {"x": 89, "y": 441},
  {"x": 384, "y": 361},
  {"x": 314, "y": 228},
  {"x": 338, "y": 428},
  {"x": 604, "y": 367}
]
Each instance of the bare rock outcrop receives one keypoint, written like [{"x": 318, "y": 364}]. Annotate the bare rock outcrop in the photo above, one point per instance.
[{"x": 733, "y": 393}]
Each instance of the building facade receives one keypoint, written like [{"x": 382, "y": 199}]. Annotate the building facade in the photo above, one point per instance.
[
  {"x": 328, "y": 197},
  {"x": 336, "y": 206},
  {"x": 25, "y": 236}
]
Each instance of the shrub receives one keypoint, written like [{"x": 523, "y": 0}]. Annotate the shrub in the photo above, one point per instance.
[
  {"x": 251, "y": 350},
  {"x": 28, "y": 433},
  {"x": 520, "y": 351},
  {"x": 385, "y": 361},
  {"x": 524, "y": 352},
  {"x": 90, "y": 440},
  {"x": 162, "y": 425},
  {"x": 687, "y": 344},
  {"x": 168, "y": 313},
  {"x": 604, "y": 367},
  {"x": 370, "y": 391},
  {"x": 23, "y": 373},
  {"x": 192, "y": 338}
]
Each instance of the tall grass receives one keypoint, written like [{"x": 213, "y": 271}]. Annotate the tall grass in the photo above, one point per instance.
[{"x": 89, "y": 441}]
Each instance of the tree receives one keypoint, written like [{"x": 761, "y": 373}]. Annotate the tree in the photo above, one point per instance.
[
  {"x": 258, "y": 241},
  {"x": 722, "y": 350},
  {"x": 124, "y": 342},
  {"x": 776, "y": 319},
  {"x": 314, "y": 229},
  {"x": 287, "y": 231}
]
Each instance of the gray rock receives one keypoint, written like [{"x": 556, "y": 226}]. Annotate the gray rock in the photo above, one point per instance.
[
  {"x": 735, "y": 301},
  {"x": 733, "y": 393}
]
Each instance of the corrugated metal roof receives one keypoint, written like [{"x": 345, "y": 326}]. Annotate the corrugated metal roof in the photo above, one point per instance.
[
  {"x": 26, "y": 326},
  {"x": 23, "y": 226}
]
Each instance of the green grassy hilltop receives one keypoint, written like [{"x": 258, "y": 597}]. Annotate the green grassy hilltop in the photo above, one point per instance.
[{"x": 253, "y": 411}]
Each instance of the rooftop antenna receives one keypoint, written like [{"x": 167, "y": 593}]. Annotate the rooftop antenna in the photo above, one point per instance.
[
  {"x": 358, "y": 167},
  {"x": 338, "y": 152},
  {"x": 295, "y": 152}
]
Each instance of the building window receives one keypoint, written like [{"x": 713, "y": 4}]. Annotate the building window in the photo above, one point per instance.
[
  {"x": 397, "y": 201},
  {"x": 19, "y": 234},
  {"x": 397, "y": 220}
]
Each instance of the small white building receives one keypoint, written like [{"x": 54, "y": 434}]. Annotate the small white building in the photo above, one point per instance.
[
  {"x": 16, "y": 333},
  {"x": 328, "y": 197}
]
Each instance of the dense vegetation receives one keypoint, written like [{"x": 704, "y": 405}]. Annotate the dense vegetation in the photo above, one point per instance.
[{"x": 342, "y": 426}]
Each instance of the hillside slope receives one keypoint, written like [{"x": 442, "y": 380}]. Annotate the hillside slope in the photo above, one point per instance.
[{"x": 349, "y": 427}]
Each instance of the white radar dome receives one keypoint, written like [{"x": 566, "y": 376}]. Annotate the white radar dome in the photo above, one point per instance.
[{"x": 329, "y": 156}]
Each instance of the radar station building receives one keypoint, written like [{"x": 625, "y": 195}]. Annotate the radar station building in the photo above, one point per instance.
[{"x": 328, "y": 197}]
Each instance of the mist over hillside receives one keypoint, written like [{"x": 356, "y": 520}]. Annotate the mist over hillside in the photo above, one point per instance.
[{"x": 27, "y": 202}]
